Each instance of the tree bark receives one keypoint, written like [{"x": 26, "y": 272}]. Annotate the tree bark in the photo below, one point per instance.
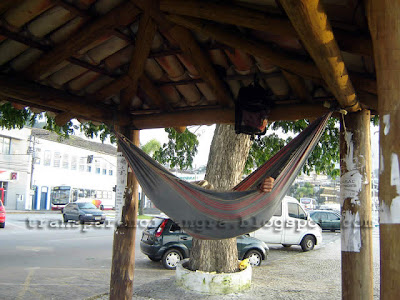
[{"x": 228, "y": 153}]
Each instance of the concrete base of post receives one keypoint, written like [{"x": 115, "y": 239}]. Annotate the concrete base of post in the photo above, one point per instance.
[{"x": 212, "y": 283}]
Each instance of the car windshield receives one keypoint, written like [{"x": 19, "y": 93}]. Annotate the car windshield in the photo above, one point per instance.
[
  {"x": 154, "y": 223},
  {"x": 86, "y": 205}
]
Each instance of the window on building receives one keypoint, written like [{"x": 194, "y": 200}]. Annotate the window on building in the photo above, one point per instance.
[
  {"x": 104, "y": 171},
  {"x": 36, "y": 156},
  {"x": 89, "y": 169},
  {"x": 110, "y": 172},
  {"x": 57, "y": 159},
  {"x": 98, "y": 170},
  {"x": 82, "y": 164},
  {"x": 5, "y": 143},
  {"x": 74, "y": 160},
  {"x": 65, "y": 161},
  {"x": 47, "y": 158}
]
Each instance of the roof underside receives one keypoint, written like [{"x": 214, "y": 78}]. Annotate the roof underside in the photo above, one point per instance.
[{"x": 171, "y": 63}]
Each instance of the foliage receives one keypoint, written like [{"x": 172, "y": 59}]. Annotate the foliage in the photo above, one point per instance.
[
  {"x": 321, "y": 160},
  {"x": 179, "y": 151},
  {"x": 151, "y": 146},
  {"x": 12, "y": 118},
  {"x": 307, "y": 190}
]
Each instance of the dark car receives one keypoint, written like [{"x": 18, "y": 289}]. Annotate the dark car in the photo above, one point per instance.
[
  {"x": 164, "y": 240},
  {"x": 2, "y": 215},
  {"x": 326, "y": 219},
  {"x": 83, "y": 212}
]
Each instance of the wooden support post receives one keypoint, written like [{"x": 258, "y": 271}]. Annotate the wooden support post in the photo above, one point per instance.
[
  {"x": 311, "y": 23},
  {"x": 383, "y": 19},
  {"x": 123, "y": 258},
  {"x": 355, "y": 197}
]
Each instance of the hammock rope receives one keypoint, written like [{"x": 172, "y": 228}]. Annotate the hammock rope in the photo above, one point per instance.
[{"x": 209, "y": 214}]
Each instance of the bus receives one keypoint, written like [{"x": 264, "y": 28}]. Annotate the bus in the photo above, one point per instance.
[
  {"x": 62, "y": 195},
  {"x": 308, "y": 203}
]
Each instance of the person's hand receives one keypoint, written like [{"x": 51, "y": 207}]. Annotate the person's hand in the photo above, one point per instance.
[{"x": 267, "y": 185}]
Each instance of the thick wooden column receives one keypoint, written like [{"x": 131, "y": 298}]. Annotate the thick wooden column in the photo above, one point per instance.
[
  {"x": 123, "y": 258},
  {"x": 383, "y": 19},
  {"x": 355, "y": 196}
]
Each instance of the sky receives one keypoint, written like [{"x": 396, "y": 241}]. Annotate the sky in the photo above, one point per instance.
[{"x": 205, "y": 135}]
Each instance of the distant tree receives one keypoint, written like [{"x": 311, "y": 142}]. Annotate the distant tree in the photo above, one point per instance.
[
  {"x": 151, "y": 147},
  {"x": 307, "y": 190}
]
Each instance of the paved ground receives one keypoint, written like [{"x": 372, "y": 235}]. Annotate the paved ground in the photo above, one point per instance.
[{"x": 60, "y": 263}]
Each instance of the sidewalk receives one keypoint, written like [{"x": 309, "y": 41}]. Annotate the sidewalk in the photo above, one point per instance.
[
  {"x": 14, "y": 211},
  {"x": 312, "y": 275}
]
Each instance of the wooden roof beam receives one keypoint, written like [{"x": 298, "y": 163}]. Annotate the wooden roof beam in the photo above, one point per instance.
[
  {"x": 257, "y": 20},
  {"x": 120, "y": 16},
  {"x": 144, "y": 40},
  {"x": 192, "y": 51},
  {"x": 222, "y": 116},
  {"x": 43, "y": 96},
  {"x": 312, "y": 25},
  {"x": 278, "y": 58}
]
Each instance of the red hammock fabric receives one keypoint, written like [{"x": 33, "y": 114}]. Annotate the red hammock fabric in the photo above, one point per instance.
[{"x": 209, "y": 214}]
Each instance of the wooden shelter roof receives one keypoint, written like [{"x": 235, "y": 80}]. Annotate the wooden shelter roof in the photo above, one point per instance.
[{"x": 170, "y": 63}]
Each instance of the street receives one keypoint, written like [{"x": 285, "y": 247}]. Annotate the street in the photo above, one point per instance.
[{"x": 41, "y": 258}]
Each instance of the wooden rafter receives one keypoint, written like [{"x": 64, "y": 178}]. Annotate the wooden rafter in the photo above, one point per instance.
[
  {"x": 202, "y": 63},
  {"x": 119, "y": 16},
  {"x": 312, "y": 25},
  {"x": 254, "y": 19},
  {"x": 298, "y": 86},
  {"x": 144, "y": 38},
  {"x": 263, "y": 50},
  {"x": 222, "y": 116},
  {"x": 192, "y": 50},
  {"x": 36, "y": 94}
]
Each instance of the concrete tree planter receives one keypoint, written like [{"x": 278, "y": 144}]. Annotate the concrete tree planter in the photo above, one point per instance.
[{"x": 212, "y": 283}]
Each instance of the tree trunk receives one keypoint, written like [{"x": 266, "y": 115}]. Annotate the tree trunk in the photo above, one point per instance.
[{"x": 228, "y": 153}]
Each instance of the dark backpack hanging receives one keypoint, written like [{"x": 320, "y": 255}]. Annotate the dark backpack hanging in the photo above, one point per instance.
[{"x": 252, "y": 110}]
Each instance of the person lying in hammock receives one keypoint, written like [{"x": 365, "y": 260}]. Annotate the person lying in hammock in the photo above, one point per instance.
[{"x": 265, "y": 187}]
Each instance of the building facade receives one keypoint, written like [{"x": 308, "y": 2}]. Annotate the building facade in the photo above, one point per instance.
[{"x": 34, "y": 161}]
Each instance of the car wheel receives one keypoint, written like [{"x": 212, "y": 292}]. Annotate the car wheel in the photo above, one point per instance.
[
  {"x": 81, "y": 221},
  {"x": 333, "y": 230},
  {"x": 307, "y": 243},
  {"x": 153, "y": 258},
  {"x": 65, "y": 219},
  {"x": 171, "y": 258},
  {"x": 2, "y": 225},
  {"x": 286, "y": 245},
  {"x": 255, "y": 257}
]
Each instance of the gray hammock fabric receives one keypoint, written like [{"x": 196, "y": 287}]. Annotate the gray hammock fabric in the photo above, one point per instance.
[{"x": 208, "y": 214}]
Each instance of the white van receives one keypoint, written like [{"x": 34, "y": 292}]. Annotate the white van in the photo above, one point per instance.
[{"x": 290, "y": 225}]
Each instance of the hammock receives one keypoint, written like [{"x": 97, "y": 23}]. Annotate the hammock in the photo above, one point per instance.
[{"x": 209, "y": 214}]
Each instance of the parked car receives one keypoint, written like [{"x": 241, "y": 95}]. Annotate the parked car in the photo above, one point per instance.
[
  {"x": 2, "y": 215},
  {"x": 83, "y": 212},
  {"x": 327, "y": 219},
  {"x": 164, "y": 240},
  {"x": 290, "y": 225}
]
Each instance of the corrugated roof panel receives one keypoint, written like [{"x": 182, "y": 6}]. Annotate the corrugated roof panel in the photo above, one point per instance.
[
  {"x": 100, "y": 82},
  {"x": 79, "y": 83},
  {"x": 48, "y": 21},
  {"x": 25, "y": 59},
  {"x": 26, "y": 11},
  {"x": 67, "y": 30},
  {"x": 66, "y": 74},
  {"x": 10, "y": 49},
  {"x": 109, "y": 47},
  {"x": 119, "y": 58}
]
